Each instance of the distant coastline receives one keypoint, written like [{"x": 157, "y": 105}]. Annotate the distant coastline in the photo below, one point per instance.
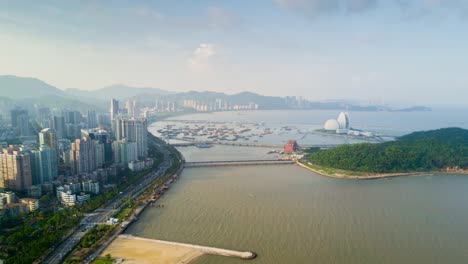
[{"x": 25, "y": 92}]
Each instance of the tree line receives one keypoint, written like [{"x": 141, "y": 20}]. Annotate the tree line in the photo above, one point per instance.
[{"x": 419, "y": 151}]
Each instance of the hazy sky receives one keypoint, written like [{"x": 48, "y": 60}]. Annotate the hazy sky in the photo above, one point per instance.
[{"x": 387, "y": 50}]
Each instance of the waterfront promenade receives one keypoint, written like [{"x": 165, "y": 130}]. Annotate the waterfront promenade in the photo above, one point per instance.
[{"x": 102, "y": 214}]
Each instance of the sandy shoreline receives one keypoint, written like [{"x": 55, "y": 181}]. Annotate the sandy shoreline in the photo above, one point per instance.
[
  {"x": 145, "y": 252},
  {"x": 134, "y": 249}
]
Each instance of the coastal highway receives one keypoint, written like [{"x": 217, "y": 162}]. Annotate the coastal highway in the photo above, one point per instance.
[{"x": 102, "y": 214}]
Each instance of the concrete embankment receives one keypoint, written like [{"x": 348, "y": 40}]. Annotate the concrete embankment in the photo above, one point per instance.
[
  {"x": 205, "y": 250},
  {"x": 363, "y": 177}
]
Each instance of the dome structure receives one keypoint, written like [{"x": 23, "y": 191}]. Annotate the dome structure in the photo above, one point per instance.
[
  {"x": 331, "y": 125},
  {"x": 343, "y": 120}
]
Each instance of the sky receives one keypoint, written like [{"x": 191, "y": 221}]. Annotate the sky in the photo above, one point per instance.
[{"x": 409, "y": 51}]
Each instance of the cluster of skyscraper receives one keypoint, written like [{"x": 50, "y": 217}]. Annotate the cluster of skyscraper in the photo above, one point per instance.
[
  {"x": 131, "y": 109},
  {"x": 130, "y": 133},
  {"x": 20, "y": 121},
  {"x": 217, "y": 105},
  {"x": 67, "y": 123},
  {"x": 297, "y": 102},
  {"x": 77, "y": 145},
  {"x": 23, "y": 166},
  {"x": 181, "y": 105}
]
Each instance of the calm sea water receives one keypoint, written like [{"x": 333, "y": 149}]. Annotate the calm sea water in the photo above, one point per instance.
[
  {"x": 289, "y": 215},
  {"x": 395, "y": 123}
]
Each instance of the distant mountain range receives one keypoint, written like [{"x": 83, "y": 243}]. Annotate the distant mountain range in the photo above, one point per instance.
[
  {"x": 15, "y": 87},
  {"x": 22, "y": 88},
  {"x": 25, "y": 92},
  {"x": 118, "y": 91}
]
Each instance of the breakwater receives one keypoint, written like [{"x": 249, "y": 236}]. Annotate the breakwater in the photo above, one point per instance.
[{"x": 203, "y": 249}]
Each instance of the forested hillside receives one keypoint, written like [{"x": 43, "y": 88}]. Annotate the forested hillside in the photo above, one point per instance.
[{"x": 419, "y": 151}]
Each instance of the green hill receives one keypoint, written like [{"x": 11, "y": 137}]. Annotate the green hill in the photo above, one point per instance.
[
  {"x": 22, "y": 88},
  {"x": 419, "y": 151},
  {"x": 118, "y": 91},
  {"x": 25, "y": 92}
]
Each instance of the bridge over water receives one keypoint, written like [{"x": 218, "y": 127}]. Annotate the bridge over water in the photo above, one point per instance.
[
  {"x": 258, "y": 145},
  {"x": 236, "y": 163}
]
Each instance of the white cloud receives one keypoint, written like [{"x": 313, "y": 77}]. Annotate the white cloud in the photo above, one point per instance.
[{"x": 202, "y": 56}]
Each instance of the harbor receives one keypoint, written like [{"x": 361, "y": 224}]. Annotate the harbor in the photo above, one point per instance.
[
  {"x": 205, "y": 134},
  {"x": 215, "y": 131}
]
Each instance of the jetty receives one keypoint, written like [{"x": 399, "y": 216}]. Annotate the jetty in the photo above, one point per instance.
[
  {"x": 202, "y": 249},
  {"x": 236, "y": 163}
]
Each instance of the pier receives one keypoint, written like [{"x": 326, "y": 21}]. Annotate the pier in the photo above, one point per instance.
[
  {"x": 236, "y": 163},
  {"x": 204, "y": 250}
]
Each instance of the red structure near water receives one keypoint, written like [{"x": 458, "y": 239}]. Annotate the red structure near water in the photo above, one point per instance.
[{"x": 291, "y": 146}]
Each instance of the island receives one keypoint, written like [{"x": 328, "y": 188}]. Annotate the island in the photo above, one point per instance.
[{"x": 441, "y": 150}]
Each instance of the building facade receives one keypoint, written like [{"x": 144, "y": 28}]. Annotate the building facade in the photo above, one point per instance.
[
  {"x": 92, "y": 121},
  {"x": 291, "y": 146},
  {"x": 49, "y": 138},
  {"x": 83, "y": 156},
  {"x": 48, "y": 164},
  {"x": 136, "y": 130},
  {"x": 124, "y": 151},
  {"x": 58, "y": 124},
  {"x": 15, "y": 169}
]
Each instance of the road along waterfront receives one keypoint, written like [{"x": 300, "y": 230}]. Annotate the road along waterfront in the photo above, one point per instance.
[
  {"x": 149, "y": 190},
  {"x": 100, "y": 215}
]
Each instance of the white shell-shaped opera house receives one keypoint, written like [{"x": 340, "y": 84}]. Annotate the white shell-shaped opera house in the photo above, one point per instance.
[
  {"x": 340, "y": 125},
  {"x": 343, "y": 120},
  {"x": 331, "y": 125}
]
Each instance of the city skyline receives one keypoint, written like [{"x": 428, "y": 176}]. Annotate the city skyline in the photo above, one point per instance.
[{"x": 293, "y": 47}]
